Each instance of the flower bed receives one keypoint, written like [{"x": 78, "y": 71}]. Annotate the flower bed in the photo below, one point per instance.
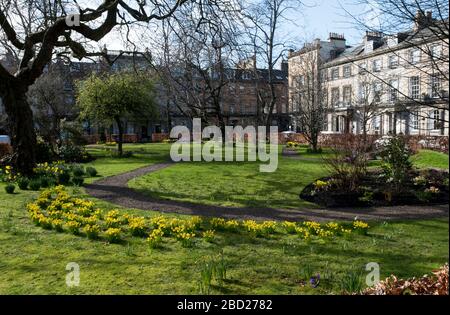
[
  {"x": 56, "y": 209},
  {"x": 420, "y": 188}
]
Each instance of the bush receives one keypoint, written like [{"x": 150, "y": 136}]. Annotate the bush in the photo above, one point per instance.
[
  {"x": 44, "y": 152},
  {"x": 74, "y": 153},
  {"x": 78, "y": 180},
  {"x": 78, "y": 171},
  {"x": 396, "y": 162},
  {"x": 45, "y": 182},
  {"x": 35, "y": 184},
  {"x": 91, "y": 171},
  {"x": 23, "y": 183},
  {"x": 10, "y": 188},
  {"x": 63, "y": 178},
  {"x": 5, "y": 149}
]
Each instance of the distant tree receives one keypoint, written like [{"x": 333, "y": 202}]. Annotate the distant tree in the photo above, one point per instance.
[
  {"x": 310, "y": 95},
  {"x": 50, "y": 107},
  {"x": 115, "y": 98}
]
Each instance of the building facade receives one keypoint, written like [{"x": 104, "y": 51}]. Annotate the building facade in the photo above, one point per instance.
[{"x": 385, "y": 85}]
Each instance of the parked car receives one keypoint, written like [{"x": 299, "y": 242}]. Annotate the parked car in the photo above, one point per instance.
[{"x": 5, "y": 139}]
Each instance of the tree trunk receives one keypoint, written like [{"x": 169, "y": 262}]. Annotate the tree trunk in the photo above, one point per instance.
[
  {"x": 120, "y": 142},
  {"x": 21, "y": 130}
]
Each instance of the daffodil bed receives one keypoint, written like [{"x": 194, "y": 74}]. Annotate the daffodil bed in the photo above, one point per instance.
[{"x": 57, "y": 209}]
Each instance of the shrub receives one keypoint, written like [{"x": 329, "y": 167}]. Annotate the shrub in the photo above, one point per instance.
[
  {"x": 91, "y": 171},
  {"x": 10, "y": 188},
  {"x": 74, "y": 153},
  {"x": 360, "y": 227},
  {"x": 348, "y": 163},
  {"x": 63, "y": 178},
  {"x": 23, "y": 183},
  {"x": 78, "y": 171},
  {"x": 78, "y": 180},
  {"x": 396, "y": 162},
  {"x": 45, "y": 182},
  {"x": 35, "y": 184}
]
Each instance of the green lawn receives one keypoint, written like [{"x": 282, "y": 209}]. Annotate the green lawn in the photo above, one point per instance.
[
  {"x": 33, "y": 260},
  {"x": 242, "y": 185},
  {"x": 427, "y": 158}
]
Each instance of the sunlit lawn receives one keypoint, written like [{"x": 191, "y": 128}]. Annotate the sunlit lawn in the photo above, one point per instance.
[{"x": 33, "y": 260}]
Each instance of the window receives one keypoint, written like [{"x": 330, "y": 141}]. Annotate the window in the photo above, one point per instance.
[
  {"x": 393, "y": 90},
  {"x": 363, "y": 92},
  {"x": 335, "y": 74},
  {"x": 376, "y": 122},
  {"x": 434, "y": 120},
  {"x": 325, "y": 123},
  {"x": 376, "y": 65},
  {"x": 414, "y": 87},
  {"x": 414, "y": 121},
  {"x": 347, "y": 71},
  {"x": 362, "y": 68},
  {"x": 347, "y": 95},
  {"x": 436, "y": 51},
  {"x": 414, "y": 56},
  {"x": 377, "y": 91},
  {"x": 232, "y": 109},
  {"x": 393, "y": 61},
  {"x": 435, "y": 83},
  {"x": 335, "y": 97}
]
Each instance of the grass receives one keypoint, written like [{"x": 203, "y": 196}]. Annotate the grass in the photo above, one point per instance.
[
  {"x": 240, "y": 184},
  {"x": 33, "y": 260},
  {"x": 428, "y": 158}
]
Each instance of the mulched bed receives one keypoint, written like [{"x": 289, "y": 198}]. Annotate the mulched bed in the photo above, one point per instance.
[{"x": 375, "y": 191}]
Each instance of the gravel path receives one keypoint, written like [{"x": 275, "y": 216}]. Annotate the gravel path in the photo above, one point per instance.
[{"x": 115, "y": 190}]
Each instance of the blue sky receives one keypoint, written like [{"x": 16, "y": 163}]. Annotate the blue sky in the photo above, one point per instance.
[{"x": 317, "y": 18}]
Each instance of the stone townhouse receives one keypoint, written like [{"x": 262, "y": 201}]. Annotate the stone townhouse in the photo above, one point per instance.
[{"x": 395, "y": 84}]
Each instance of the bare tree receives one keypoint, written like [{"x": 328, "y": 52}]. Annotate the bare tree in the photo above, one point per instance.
[
  {"x": 309, "y": 92},
  {"x": 264, "y": 19},
  {"x": 50, "y": 107},
  {"x": 35, "y": 31}
]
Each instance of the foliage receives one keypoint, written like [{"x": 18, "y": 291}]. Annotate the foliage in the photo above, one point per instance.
[
  {"x": 9, "y": 188},
  {"x": 113, "y": 97},
  {"x": 91, "y": 171},
  {"x": 349, "y": 162},
  {"x": 23, "y": 183},
  {"x": 396, "y": 162},
  {"x": 35, "y": 184}
]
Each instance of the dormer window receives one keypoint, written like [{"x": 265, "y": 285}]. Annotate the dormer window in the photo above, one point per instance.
[
  {"x": 393, "y": 61},
  {"x": 335, "y": 74},
  {"x": 347, "y": 71},
  {"x": 414, "y": 56},
  {"x": 376, "y": 65}
]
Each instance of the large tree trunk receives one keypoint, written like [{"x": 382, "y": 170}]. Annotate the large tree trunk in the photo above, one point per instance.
[
  {"x": 21, "y": 129},
  {"x": 120, "y": 142}
]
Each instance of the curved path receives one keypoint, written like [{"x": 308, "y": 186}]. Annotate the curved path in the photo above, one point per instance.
[{"x": 115, "y": 190}]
